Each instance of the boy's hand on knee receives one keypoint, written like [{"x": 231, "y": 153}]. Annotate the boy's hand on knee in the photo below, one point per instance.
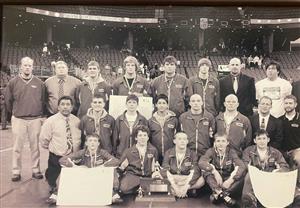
[{"x": 227, "y": 183}]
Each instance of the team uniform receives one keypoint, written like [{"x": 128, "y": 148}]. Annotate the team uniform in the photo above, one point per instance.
[{"x": 139, "y": 84}]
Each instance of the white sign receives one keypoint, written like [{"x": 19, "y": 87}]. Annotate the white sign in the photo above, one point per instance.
[
  {"x": 223, "y": 68},
  {"x": 117, "y": 106},
  {"x": 85, "y": 186},
  {"x": 275, "y": 189}
]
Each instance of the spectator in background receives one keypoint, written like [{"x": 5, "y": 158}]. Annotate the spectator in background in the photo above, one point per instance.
[
  {"x": 3, "y": 109},
  {"x": 251, "y": 62},
  {"x": 206, "y": 86},
  {"x": 274, "y": 87},
  {"x": 296, "y": 93},
  {"x": 59, "y": 85},
  {"x": 131, "y": 83},
  {"x": 240, "y": 85},
  {"x": 255, "y": 61},
  {"x": 260, "y": 61},
  {"x": 173, "y": 85},
  {"x": 107, "y": 74},
  {"x": 24, "y": 98},
  {"x": 93, "y": 85}
]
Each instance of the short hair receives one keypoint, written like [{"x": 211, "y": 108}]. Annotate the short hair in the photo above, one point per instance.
[
  {"x": 261, "y": 132},
  {"x": 94, "y": 63},
  {"x": 97, "y": 96},
  {"x": 178, "y": 133},
  {"x": 26, "y": 58},
  {"x": 65, "y": 97},
  {"x": 292, "y": 97},
  {"x": 60, "y": 62},
  {"x": 265, "y": 97},
  {"x": 138, "y": 128},
  {"x": 163, "y": 97},
  {"x": 275, "y": 63},
  {"x": 92, "y": 135},
  {"x": 131, "y": 59},
  {"x": 170, "y": 59},
  {"x": 132, "y": 97},
  {"x": 205, "y": 61},
  {"x": 217, "y": 135}
]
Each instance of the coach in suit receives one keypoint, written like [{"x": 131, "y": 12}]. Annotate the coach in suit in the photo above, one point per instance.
[
  {"x": 264, "y": 120},
  {"x": 240, "y": 85}
]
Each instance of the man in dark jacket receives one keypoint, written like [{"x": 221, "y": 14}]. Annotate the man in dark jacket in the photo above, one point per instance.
[{"x": 240, "y": 85}]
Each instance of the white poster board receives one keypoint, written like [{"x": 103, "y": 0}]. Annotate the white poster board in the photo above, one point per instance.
[
  {"x": 273, "y": 189},
  {"x": 117, "y": 106},
  {"x": 85, "y": 186}
]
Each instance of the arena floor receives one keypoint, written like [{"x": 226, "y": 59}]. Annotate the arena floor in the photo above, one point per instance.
[{"x": 33, "y": 193}]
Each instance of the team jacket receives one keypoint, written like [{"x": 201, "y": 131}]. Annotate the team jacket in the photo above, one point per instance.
[
  {"x": 136, "y": 166},
  {"x": 122, "y": 138},
  {"x": 210, "y": 93},
  {"x": 162, "y": 137},
  {"x": 189, "y": 162},
  {"x": 83, "y": 157},
  {"x": 198, "y": 133},
  {"x": 177, "y": 92},
  {"x": 225, "y": 167},
  {"x": 240, "y": 131},
  {"x": 139, "y": 85},
  {"x": 84, "y": 95},
  {"x": 105, "y": 129},
  {"x": 250, "y": 156}
]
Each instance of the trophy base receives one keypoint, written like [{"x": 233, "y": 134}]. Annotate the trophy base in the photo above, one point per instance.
[{"x": 156, "y": 197}]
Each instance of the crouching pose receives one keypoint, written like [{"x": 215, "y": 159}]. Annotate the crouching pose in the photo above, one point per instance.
[
  {"x": 92, "y": 156},
  {"x": 263, "y": 157},
  {"x": 180, "y": 167},
  {"x": 137, "y": 161},
  {"x": 223, "y": 171}
]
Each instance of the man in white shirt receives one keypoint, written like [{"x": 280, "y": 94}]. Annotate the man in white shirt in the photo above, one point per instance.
[{"x": 274, "y": 87}]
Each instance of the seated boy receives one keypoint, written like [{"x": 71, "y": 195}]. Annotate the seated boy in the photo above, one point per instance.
[
  {"x": 137, "y": 161},
  {"x": 92, "y": 156},
  {"x": 263, "y": 157},
  {"x": 180, "y": 167},
  {"x": 223, "y": 170}
]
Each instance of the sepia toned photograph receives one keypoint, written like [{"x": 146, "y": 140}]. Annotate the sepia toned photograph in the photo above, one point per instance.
[{"x": 150, "y": 106}]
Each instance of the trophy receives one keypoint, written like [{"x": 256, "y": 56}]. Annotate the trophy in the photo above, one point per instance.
[{"x": 154, "y": 189}]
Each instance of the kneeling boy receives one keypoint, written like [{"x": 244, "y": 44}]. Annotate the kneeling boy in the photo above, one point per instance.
[
  {"x": 180, "y": 167},
  {"x": 223, "y": 170}
]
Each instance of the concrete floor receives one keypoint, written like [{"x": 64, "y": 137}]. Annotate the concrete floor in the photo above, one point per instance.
[{"x": 33, "y": 193}]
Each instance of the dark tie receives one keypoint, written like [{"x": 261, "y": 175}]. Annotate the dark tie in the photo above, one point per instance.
[
  {"x": 263, "y": 124},
  {"x": 69, "y": 137},
  {"x": 60, "y": 88}
]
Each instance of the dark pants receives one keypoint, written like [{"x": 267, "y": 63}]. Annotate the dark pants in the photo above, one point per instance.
[
  {"x": 232, "y": 190},
  {"x": 129, "y": 183},
  {"x": 53, "y": 169},
  {"x": 3, "y": 116}
]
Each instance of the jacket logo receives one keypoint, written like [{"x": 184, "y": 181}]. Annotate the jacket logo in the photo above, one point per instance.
[
  {"x": 295, "y": 125},
  {"x": 188, "y": 163},
  {"x": 171, "y": 126},
  {"x": 101, "y": 90},
  {"x": 33, "y": 86},
  {"x": 149, "y": 155},
  {"x": 272, "y": 160},
  {"x": 139, "y": 86},
  {"x": 205, "y": 123},
  {"x": 239, "y": 124},
  {"x": 106, "y": 125},
  {"x": 211, "y": 86},
  {"x": 229, "y": 162}
]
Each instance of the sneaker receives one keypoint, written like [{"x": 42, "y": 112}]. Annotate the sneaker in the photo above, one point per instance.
[
  {"x": 228, "y": 201},
  {"x": 116, "y": 199},
  {"x": 214, "y": 198},
  {"x": 37, "y": 175},
  {"x": 53, "y": 190},
  {"x": 16, "y": 177},
  {"x": 192, "y": 193},
  {"x": 52, "y": 199}
]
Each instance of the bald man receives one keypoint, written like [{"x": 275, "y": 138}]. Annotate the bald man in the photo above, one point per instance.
[
  {"x": 199, "y": 125},
  {"x": 24, "y": 98},
  {"x": 240, "y": 85},
  {"x": 234, "y": 124}
]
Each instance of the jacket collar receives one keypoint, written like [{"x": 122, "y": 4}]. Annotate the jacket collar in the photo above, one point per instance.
[
  {"x": 221, "y": 117},
  {"x": 90, "y": 113},
  {"x": 168, "y": 116},
  {"x": 188, "y": 152},
  {"x": 204, "y": 115}
]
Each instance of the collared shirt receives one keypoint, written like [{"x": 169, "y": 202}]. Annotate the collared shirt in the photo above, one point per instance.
[
  {"x": 52, "y": 88},
  {"x": 53, "y": 134}
]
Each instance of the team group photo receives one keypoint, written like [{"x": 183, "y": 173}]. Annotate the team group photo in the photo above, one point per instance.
[{"x": 150, "y": 106}]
